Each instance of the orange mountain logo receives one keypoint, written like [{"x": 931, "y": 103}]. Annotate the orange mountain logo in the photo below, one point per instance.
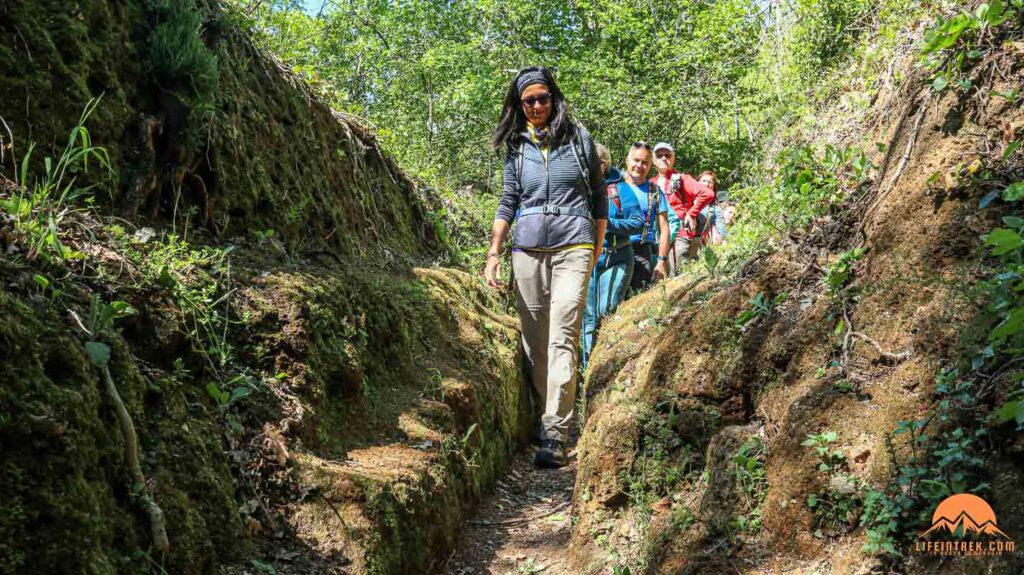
[{"x": 964, "y": 524}]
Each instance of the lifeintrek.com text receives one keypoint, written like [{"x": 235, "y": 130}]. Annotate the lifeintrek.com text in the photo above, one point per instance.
[{"x": 971, "y": 548}]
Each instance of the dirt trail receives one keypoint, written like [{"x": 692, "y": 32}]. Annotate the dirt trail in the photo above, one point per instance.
[{"x": 524, "y": 527}]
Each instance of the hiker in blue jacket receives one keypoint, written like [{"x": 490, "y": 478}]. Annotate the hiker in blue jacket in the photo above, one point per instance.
[
  {"x": 610, "y": 278},
  {"x": 552, "y": 188},
  {"x": 652, "y": 244}
]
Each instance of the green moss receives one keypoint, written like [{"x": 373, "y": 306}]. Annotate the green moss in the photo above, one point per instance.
[{"x": 66, "y": 505}]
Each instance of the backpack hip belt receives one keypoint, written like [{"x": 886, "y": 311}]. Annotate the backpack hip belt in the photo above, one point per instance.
[{"x": 556, "y": 210}]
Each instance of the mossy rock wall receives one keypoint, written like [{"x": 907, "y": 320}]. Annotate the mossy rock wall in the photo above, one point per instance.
[
  {"x": 66, "y": 490},
  {"x": 353, "y": 351},
  {"x": 261, "y": 153}
]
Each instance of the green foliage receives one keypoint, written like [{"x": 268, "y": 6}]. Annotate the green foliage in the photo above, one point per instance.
[
  {"x": 195, "y": 278},
  {"x": 840, "y": 271},
  {"x": 752, "y": 480},
  {"x": 175, "y": 54},
  {"x": 39, "y": 202},
  {"x": 826, "y": 34},
  {"x": 664, "y": 462},
  {"x": 1005, "y": 296},
  {"x": 957, "y": 42},
  {"x": 710, "y": 260},
  {"x": 760, "y": 306},
  {"x": 836, "y": 506},
  {"x": 432, "y": 77},
  {"x": 807, "y": 184},
  {"x": 879, "y": 518}
]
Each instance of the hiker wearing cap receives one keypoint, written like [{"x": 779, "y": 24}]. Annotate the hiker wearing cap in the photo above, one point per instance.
[
  {"x": 651, "y": 245},
  {"x": 687, "y": 197},
  {"x": 552, "y": 188},
  {"x": 610, "y": 278}
]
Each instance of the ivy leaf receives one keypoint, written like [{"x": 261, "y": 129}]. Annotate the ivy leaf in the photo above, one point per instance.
[
  {"x": 940, "y": 83},
  {"x": 1011, "y": 325},
  {"x": 1011, "y": 411},
  {"x": 1014, "y": 192},
  {"x": 99, "y": 353},
  {"x": 1002, "y": 241}
]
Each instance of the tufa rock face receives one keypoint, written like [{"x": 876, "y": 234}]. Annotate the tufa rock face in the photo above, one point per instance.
[
  {"x": 255, "y": 151},
  {"x": 380, "y": 399}
]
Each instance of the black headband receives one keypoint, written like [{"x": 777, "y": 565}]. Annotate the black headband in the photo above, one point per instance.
[{"x": 529, "y": 79}]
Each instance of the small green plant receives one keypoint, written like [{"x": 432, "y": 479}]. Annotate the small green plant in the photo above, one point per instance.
[
  {"x": 234, "y": 390},
  {"x": 710, "y": 260},
  {"x": 879, "y": 518},
  {"x": 262, "y": 236},
  {"x": 836, "y": 506},
  {"x": 841, "y": 271},
  {"x": 664, "y": 462},
  {"x": 176, "y": 56},
  {"x": 821, "y": 442},
  {"x": 40, "y": 203},
  {"x": 195, "y": 278},
  {"x": 752, "y": 481},
  {"x": 760, "y": 306},
  {"x": 453, "y": 445}
]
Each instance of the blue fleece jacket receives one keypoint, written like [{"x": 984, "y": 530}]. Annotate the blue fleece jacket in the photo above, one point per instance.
[{"x": 625, "y": 217}]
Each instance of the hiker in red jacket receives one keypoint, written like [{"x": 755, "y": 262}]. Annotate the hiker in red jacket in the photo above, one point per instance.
[{"x": 687, "y": 197}]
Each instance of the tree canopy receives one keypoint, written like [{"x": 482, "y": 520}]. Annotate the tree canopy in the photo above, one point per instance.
[{"x": 707, "y": 75}]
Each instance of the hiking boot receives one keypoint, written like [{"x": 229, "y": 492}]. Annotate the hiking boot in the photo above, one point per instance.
[{"x": 550, "y": 456}]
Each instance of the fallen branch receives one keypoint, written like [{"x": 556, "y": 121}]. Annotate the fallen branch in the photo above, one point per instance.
[{"x": 140, "y": 491}]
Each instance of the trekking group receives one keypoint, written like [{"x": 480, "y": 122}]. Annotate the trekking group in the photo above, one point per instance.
[{"x": 587, "y": 236}]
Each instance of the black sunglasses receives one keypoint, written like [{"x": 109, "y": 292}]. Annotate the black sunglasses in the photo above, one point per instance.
[
  {"x": 641, "y": 144},
  {"x": 543, "y": 100}
]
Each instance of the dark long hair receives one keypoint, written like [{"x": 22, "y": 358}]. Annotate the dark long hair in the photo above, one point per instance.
[{"x": 513, "y": 120}]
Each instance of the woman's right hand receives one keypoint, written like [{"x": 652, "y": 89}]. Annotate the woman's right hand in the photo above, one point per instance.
[{"x": 492, "y": 272}]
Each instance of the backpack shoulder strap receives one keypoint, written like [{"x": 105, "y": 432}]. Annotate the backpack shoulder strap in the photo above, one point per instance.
[
  {"x": 580, "y": 154},
  {"x": 519, "y": 164},
  {"x": 653, "y": 202}
]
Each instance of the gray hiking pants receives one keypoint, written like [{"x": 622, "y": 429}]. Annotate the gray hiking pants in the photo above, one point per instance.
[{"x": 551, "y": 290}]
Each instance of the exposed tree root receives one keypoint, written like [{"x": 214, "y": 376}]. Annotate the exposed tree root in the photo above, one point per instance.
[
  {"x": 902, "y": 356},
  {"x": 140, "y": 491},
  {"x": 848, "y": 338}
]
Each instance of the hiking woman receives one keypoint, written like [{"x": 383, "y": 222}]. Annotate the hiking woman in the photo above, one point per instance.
[
  {"x": 552, "y": 188},
  {"x": 716, "y": 231},
  {"x": 610, "y": 279}
]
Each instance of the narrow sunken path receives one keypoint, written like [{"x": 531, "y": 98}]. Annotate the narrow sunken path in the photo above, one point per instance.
[{"x": 523, "y": 527}]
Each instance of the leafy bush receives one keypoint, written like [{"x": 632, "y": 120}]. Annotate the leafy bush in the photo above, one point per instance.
[
  {"x": 955, "y": 43},
  {"x": 806, "y": 185}
]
